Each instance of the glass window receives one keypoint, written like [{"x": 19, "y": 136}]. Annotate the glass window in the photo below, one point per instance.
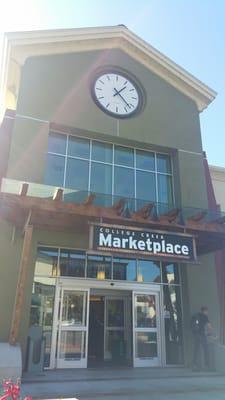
[
  {"x": 57, "y": 143},
  {"x": 72, "y": 345},
  {"x": 124, "y": 269},
  {"x": 74, "y": 308},
  {"x": 124, "y": 182},
  {"x": 146, "y": 345},
  {"x": 145, "y": 160},
  {"x": 101, "y": 178},
  {"x": 115, "y": 313},
  {"x": 145, "y": 186},
  {"x": 148, "y": 271},
  {"x": 55, "y": 170},
  {"x": 79, "y": 147},
  {"x": 47, "y": 262},
  {"x": 163, "y": 163},
  {"x": 165, "y": 189},
  {"x": 77, "y": 173},
  {"x": 72, "y": 263},
  {"x": 41, "y": 312},
  {"x": 173, "y": 324},
  {"x": 145, "y": 311},
  {"x": 124, "y": 156},
  {"x": 101, "y": 152},
  {"x": 170, "y": 273},
  {"x": 99, "y": 267}
]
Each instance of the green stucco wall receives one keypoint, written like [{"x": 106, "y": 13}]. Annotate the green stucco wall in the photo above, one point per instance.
[{"x": 57, "y": 89}]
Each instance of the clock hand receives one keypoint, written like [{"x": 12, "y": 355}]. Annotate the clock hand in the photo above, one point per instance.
[
  {"x": 119, "y": 91},
  {"x": 128, "y": 105}
]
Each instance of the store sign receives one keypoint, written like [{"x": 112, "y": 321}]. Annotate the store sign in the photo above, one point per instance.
[{"x": 152, "y": 243}]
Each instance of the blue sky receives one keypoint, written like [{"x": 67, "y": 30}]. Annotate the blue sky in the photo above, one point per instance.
[{"x": 190, "y": 32}]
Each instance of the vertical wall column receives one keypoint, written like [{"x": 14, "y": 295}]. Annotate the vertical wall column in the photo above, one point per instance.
[{"x": 20, "y": 291}]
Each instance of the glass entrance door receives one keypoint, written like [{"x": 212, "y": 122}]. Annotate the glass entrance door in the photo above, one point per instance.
[
  {"x": 72, "y": 328},
  {"x": 114, "y": 328},
  {"x": 146, "y": 330}
]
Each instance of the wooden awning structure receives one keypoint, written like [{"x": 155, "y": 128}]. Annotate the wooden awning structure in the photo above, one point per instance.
[{"x": 54, "y": 213}]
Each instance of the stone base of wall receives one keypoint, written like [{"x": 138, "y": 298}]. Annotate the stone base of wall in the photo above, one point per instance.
[{"x": 10, "y": 361}]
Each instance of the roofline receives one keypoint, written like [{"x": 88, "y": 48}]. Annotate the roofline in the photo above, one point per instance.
[
  {"x": 216, "y": 168},
  {"x": 161, "y": 65}
]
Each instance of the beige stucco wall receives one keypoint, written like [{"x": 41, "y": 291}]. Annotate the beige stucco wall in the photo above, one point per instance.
[{"x": 218, "y": 181}]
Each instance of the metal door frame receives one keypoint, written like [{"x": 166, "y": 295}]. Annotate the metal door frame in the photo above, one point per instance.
[
  {"x": 56, "y": 331},
  {"x": 157, "y": 362}
]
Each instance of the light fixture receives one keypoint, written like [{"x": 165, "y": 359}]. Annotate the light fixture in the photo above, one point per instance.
[
  {"x": 101, "y": 273},
  {"x": 140, "y": 278}
]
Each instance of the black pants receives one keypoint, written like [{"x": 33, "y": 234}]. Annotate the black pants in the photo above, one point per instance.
[{"x": 200, "y": 343}]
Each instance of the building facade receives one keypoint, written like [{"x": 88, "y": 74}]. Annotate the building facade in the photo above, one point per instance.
[
  {"x": 218, "y": 180},
  {"x": 107, "y": 241}
]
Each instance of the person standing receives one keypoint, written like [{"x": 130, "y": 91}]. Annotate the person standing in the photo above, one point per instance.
[{"x": 201, "y": 328}]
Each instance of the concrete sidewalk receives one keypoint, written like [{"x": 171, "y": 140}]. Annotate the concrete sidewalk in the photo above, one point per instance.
[{"x": 123, "y": 384}]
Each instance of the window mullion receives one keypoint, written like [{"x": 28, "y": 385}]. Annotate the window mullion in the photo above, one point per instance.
[
  {"x": 65, "y": 166},
  {"x": 89, "y": 171}
]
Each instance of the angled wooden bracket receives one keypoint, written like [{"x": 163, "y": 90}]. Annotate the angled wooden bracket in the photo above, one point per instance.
[{"x": 89, "y": 200}]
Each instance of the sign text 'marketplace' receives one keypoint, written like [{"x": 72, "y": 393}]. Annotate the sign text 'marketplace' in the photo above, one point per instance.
[{"x": 167, "y": 245}]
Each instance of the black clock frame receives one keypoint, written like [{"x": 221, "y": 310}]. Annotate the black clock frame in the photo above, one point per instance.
[{"x": 120, "y": 71}]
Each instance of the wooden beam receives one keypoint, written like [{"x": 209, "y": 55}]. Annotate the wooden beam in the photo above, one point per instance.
[
  {"x": 119, "y": 206},
  {"x": 220, "y": 220},
  {"x": 24, "y": 189},
  {"x": 198, "y": 217},
  {"x": 58, "y": 195},
  {"x": 172, "y": 215},
  {"x": 20, "y": 290},
  {"x": 145, "y": 211},
  {"x": 89, "y": 200}
]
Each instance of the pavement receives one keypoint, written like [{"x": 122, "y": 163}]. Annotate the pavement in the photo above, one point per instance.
[{"x": 124, "y": 384}]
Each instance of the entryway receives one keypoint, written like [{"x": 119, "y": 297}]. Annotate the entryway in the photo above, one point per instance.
[
  {"x": 110, "y": 331},
  {"x": 96, "y": 327}
]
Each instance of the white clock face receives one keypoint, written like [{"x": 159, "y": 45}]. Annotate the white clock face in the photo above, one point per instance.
[{"x": 116, "y": 94}]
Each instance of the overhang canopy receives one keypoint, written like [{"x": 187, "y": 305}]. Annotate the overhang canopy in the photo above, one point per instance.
[{"x": 67, "y": 210}]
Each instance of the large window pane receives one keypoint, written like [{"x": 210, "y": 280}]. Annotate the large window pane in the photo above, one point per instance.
[
  {"x": 72, "y": 345},
  {"x": 145, "y": 311},
  {"x": 73, "y": 310},
  {"x": 101, "y": 152},
  {"x": 165, "y": 189},
  {"x": 124, "y": 156},
  {"x": 145, "y": 160},
  {"x": 173, "y": 324},
  {"x": 47, "y": 262},
  {"x": 145, "y": 186},
  {"x": 72, "y": 263},
  {"x": 77, "y": 174},
  {"x": 124, "y": 182},
  {"x": 99, "y": 267},
  {"x": 146, "y": 345},
  {"x": 124, "y": 269},
  {"x": 163, "y": 163},
  {"x": 148, "y": 271},
  {"x": 57, "y": 143},
  {"x": 79, "y": 147},
  {"x": 55, "y": 170},
  {"x": 170, "y": 273},
  {"x": 41, "y": 315},
  {"x": 115, "y": 313},
  {"x": 101, "y": 178}
]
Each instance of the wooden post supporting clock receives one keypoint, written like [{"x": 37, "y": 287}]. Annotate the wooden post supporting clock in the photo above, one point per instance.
[{"x": 19, "y": 298}]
